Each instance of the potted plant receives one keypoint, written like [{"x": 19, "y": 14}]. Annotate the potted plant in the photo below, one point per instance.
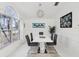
[{"x": 52, "y": 29}]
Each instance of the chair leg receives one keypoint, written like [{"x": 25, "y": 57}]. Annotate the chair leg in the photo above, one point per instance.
[
  {"x": 45, "y": 51},
  {"x": 38, "y": 49}
]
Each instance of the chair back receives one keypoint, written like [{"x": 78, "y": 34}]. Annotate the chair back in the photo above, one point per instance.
[
  {"x": 55, "y": 39},
  {"x": 28, "y": 39},
  {"x": 52, "y": 36},
  {"x": 41, "y": 33},
  {"x": 31, "y": 36}
]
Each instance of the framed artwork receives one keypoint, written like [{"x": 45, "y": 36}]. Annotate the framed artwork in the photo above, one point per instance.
[
  {"x": 66, "y": 21},
  {"x": 38, "y": 25}
]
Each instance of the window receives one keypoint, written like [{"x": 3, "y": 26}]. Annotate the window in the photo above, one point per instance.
[
  {"x": 4, "y": 22},
  {"x": 14, "y": 24},
  {"x": 4, "y": 34},
  {"x": 9, "y": 27}
]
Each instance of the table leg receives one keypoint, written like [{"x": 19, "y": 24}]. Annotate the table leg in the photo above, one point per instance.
[{"x": 42, "y": 47}]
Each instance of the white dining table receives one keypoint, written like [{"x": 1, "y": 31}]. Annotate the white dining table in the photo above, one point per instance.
[{"x": 42, "y": 42}]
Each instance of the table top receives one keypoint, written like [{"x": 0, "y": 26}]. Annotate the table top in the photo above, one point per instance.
[{"x": 42, "y": 39}]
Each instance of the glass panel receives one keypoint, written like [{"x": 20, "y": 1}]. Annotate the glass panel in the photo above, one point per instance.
[
  {"x": 4, "y": 34},
  {"x": 4, "y": 22},
  {"x": 15, "y": 24},
  {"x": 8, "y": 34}
]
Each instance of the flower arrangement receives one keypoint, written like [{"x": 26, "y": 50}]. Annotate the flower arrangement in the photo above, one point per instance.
[{"x": 52, "y": 29}]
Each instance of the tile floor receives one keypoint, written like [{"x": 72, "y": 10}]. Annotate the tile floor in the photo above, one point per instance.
[
  {"x": 51, "y": 53},
  {"x": 25, "y": 51}
]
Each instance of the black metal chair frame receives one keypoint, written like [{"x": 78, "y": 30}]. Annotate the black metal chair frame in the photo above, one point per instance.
[
  {"x": 54, "y": 41},
  {"x": 31, "y": 43}
]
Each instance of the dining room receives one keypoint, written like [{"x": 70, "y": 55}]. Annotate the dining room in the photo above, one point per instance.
[
  {"x": 39, "y": 29},
  {"x": 41, "y": 38}
]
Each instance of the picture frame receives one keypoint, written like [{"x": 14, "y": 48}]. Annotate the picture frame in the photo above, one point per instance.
[
  {"x": 38, "y": 25},
  {"x": 66, "y": 21}
]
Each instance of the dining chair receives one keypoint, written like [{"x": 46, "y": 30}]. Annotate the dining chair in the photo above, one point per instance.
[
  {"x": 31, "y": 43},
  {"x": 41, "y": 33},
  {"x": 52, "y": 36},
  {"x": 54, "y": 41},
  {"x": 31, "y": 36}
]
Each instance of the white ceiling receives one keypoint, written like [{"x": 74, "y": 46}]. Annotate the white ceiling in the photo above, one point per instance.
[{"x": 29, "y": 9}]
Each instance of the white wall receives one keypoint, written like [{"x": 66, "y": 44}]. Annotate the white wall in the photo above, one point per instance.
[
  {"x": 68, "y": 38},
  {"x": 28, "y": 26}
]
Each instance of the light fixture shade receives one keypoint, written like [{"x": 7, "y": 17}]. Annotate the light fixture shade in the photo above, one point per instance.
[{"x": 40, "y": 13}]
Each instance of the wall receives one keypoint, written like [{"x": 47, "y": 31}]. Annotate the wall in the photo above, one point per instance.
[
  {"x": 28, "y": 26},
  {"x": 68, "y": 38}
]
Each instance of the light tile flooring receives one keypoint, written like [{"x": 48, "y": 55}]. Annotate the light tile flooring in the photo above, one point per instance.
[
  {"x": 51, "y": 53},
  {"x": 25, "y": 51}
]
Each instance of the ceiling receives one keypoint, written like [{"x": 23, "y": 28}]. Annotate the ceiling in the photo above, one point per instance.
[{"x": 30, "y": 9}]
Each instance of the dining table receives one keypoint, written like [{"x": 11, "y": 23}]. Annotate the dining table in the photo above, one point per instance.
[{"x": 42, "y": 39}]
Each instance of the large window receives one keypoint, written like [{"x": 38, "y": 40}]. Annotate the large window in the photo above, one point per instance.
[
  {"x": 9, "y": 27},
  {"x": 4, "y": 22},
  {"x": 9, "y": 30},
  {"x": 4, "y": 34}
]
